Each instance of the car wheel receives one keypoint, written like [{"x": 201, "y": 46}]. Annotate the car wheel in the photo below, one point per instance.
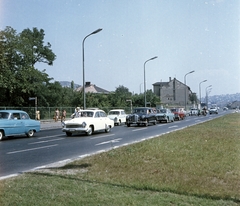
[
  {"x": 69, "y": 134},
  {"x": 146, "y": 124},
  {"x": 30, "y": 133},
  {"x": 108, "y": 129},
  {"x": 1, "y": 135},
  {"x": 128, "y": 125},
  {"x": 90, "y": 131}
]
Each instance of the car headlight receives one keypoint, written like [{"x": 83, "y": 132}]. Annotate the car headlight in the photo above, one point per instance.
[{"x": 84, "y": 124}]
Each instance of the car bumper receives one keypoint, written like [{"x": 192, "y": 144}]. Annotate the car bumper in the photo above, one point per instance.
[{"x": 75, "y": 130}]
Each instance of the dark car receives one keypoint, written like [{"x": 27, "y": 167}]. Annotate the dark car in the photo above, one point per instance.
[{"x": 141, "y": 116}]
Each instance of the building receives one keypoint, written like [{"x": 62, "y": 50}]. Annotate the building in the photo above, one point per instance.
[
  {"x": 172, "y": 92},
  {"x": 92, "y": 88}
]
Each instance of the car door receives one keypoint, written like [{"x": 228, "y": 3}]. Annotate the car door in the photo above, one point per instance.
[
  {"x": 123, "y": 116},
  {"x": 98, "y": 121},
  {"x": 17, "y": 125}
]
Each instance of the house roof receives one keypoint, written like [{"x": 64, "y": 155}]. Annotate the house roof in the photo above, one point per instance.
[{"x": 92, "y": 88}]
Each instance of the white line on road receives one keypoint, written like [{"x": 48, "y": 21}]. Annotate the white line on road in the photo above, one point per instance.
[
  {"x": 135, "y": 130},
  {"x": 173, "y": 126},
  {"x": 110, "y": 141},
  {"x": 46, "y": 141},
  {"x": 36, "y": 148},
  {"x": 51, "y": 136},
  {"x": 98, "y": 137}
]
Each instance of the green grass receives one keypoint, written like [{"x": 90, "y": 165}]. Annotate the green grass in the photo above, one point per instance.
[{"x": 199, "y": 165}]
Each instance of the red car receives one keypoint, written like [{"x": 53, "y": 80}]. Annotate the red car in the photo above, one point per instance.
[{"x": 178, "y": 113}]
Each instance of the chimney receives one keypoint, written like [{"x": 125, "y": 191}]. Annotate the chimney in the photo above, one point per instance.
[
  {"x": 170, "y": 79},
  {"x": 88, "y": 84}
]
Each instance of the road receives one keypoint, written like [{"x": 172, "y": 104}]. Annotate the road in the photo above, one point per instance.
[{"x": 52, "y": 147}]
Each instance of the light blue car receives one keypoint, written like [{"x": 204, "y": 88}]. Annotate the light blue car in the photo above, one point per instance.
[
  {"x": 17, "y": 122},
  {"x": 165, "y": 115}
]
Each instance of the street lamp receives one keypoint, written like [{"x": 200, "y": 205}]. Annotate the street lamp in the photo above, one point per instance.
[
  {"x": 207, "y": 95},
  {"x": 84, "y": 95},
  {"x": 186, "y": 88},
  {"x": 200, "y": 91},
  {"x": 145, "y": 79}
]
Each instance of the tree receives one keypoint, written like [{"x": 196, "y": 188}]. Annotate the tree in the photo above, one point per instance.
[
  {"x": 32, "y": 49},
  {"x": 19, "y": 53}
]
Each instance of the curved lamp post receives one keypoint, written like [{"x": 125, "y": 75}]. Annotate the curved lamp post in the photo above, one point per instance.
[
  {"x": 145, "y": 79},
  {"x": 185, "y": 101},
  {"x": 84, "y": 95},
  {"x": 200, "y": 91},
  {"x": 207, "y": 94}
]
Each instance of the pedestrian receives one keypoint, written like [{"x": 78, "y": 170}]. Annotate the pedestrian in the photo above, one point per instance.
[
  {"x": 56, "y": 114},
  {"x": 63, "y": 115}
]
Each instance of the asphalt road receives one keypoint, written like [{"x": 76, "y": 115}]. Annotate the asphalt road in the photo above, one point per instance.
[{"x": 51, "y": 147}]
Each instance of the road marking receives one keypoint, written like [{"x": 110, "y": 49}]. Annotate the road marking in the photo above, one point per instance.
[
  {"x": 51, "y": 136},
  {"x": 36, "y": 148},
  {"x": 110, "y": 141},
  {"x": 47, "y": 141},
  {"x": 98, "y": 137},
  {"x": 135, "y": 130},
  {"x": 173, "y": 126}
]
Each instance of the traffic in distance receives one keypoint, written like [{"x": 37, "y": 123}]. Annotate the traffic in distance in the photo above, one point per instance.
[{"x": 17, "y": 122}]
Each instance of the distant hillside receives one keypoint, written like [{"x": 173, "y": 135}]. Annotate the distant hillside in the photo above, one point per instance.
[
  {"x": 68, "y": 84},
  {"x": 223, "y": 100}
]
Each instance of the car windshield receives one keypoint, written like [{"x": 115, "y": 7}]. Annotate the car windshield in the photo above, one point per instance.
[
  {"x": 4, "y": 115},
  {"x": 86, "y": 114},
  {"x": 163, "y": 111},
  {"x": 140, "y": 111},
  {"x": 114, "y": 113}
]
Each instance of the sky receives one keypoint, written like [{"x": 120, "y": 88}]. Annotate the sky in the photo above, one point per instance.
[{"x": 186, "y": 35}]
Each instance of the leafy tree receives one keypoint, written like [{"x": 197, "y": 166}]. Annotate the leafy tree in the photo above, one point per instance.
[{"x": 19, "y": 53}]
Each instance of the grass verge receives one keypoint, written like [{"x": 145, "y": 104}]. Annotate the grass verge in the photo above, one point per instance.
[{"x": 199, "y": 165}]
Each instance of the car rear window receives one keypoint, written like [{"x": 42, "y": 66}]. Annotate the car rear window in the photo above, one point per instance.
[{"x": 4, "y": 115}]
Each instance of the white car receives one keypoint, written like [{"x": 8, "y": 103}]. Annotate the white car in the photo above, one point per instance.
[
  {"x": 87, "y": 122},
  {"x": 118, "y": 116},
  {"x": 194, "y": 111}
]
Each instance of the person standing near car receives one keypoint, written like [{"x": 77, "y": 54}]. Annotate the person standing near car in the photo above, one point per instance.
[
  {"x": 64, "y": 113},
  {"x": 56, "y": 114}
]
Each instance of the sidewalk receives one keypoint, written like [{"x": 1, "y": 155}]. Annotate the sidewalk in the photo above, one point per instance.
[{"x": 50, "y": 124}]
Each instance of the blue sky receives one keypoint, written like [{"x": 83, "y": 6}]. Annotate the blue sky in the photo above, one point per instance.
[{"x": 186, "y": 35}]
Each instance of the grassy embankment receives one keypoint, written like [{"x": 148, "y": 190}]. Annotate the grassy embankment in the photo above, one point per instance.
[{"x": 199, "y": 165}]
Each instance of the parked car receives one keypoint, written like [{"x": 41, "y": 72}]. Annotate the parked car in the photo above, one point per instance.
[
  {"x": 165, "y": 115},
  {"x": 17, "y": 122},
  {"x": 118, "y": 116},
  {"x": 88, "y": 121},
  {"x": 178, "y": 113},
  {"x": 193, "y": 111},
  {"x": 141, "y": 116},
  {"x": 213, "y": 110}
]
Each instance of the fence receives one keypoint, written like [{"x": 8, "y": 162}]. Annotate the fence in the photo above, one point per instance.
[{"x": 48, "y": 112}]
